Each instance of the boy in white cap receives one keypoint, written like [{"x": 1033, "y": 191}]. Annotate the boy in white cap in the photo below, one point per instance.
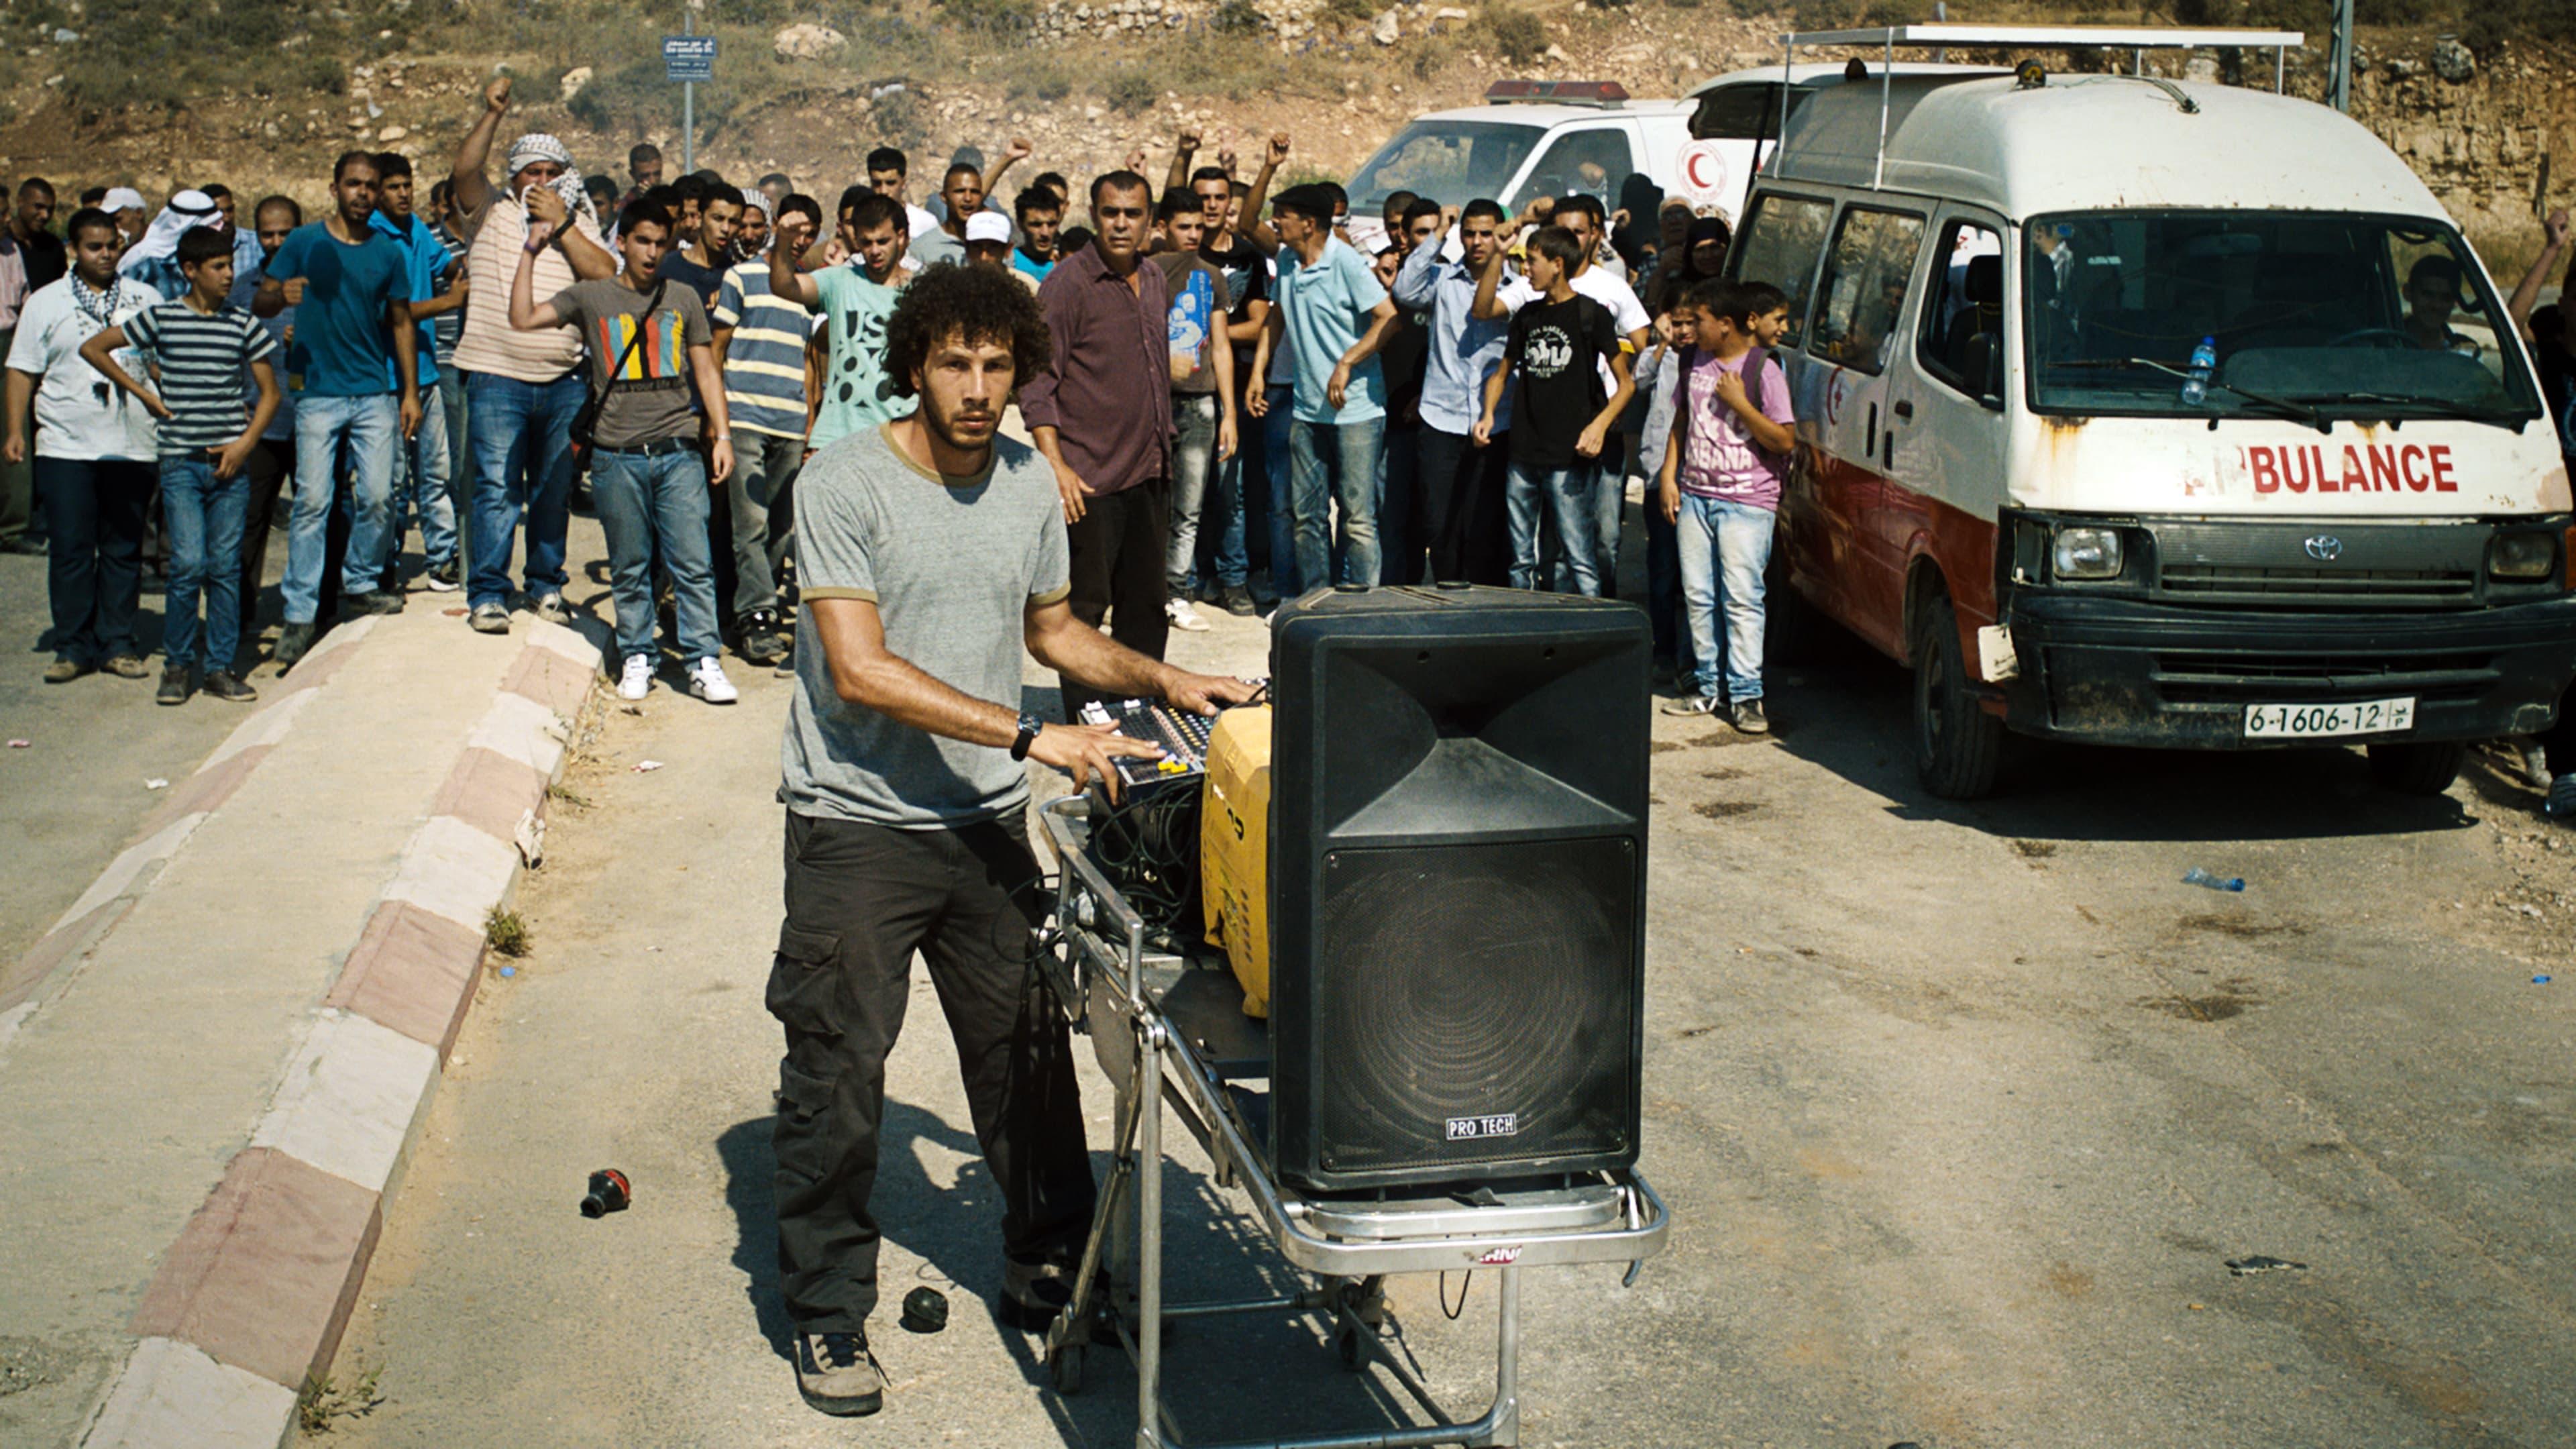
[{"x": 523, "y": 387}]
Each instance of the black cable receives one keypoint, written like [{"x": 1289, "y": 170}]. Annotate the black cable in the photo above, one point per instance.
[{"x": 1465, "y": 1287}]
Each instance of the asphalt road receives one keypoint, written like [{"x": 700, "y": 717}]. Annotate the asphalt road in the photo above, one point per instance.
[
  {"x": 71, "y": 797},
  {"x": 1962, "y": 1110}
]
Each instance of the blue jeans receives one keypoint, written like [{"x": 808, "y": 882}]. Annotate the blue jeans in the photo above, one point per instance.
[
  {"x": 522, "y": 450},
  {"x": 1275, "y": 428},
  {"x": 368, "y": 427},
  {"x": 1223, "y": 523},
  {"x": 422, "y": 484},
  {"x": 1609, "y": 511},
  {"x": 201, "y": 519},
  {"x": 1328, "y": 463},
  {"x": 451, "y": 403},
  {"x": 1725, "y": 547},
  {"x": 1568, "y": 495},
  {"x": 645, "y": 502},
  {"x": 1194, "y": 422}
]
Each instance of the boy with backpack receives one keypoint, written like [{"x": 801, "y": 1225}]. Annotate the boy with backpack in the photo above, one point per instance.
[
  {"x": 210, "y": 425},
  {"x": 1720, "y": 487},
  {"x": 1560, "y": 419}
]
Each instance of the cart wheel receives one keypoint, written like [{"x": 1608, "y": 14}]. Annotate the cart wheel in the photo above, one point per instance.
[
  {"x": 1064, "y": 1368},
  {"x": 1354, "y": 1354}
]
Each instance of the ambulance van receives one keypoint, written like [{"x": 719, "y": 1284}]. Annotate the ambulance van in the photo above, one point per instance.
[{"x": 2149, "y": 412}]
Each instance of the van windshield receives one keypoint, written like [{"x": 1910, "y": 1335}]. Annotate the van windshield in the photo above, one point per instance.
[
  {"x": 2310, "y": 316},
  {"x": 1451, "y": 162}
]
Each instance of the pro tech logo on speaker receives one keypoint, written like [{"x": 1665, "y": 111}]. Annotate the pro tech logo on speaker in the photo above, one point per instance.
[{"x": 1466, "y": 1129}]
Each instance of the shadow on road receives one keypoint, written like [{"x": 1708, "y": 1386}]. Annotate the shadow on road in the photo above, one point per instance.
[
  {"x": 1265, "y": 1374},
  {"x": 1853, "y": 716}
]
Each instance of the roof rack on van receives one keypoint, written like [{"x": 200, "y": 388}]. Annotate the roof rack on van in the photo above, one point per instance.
[
  {"x": 1604, "y": 94},
  {"x": 2137, "y": 40}
]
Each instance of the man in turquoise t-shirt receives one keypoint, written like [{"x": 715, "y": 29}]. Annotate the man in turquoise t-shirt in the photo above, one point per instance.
[
  {"x": 1332, "y": 317},
  {"x": 350, "y": 286},
  {"x": 854, "y": 301}
]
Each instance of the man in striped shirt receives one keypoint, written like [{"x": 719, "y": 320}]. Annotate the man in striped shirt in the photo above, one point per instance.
[
  {"x": 208, "y": 430},
  {"x": 760, "y": 339}
]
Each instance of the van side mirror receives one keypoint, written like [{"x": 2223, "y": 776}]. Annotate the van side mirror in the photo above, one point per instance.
[{"x": 1992, "y": 402}]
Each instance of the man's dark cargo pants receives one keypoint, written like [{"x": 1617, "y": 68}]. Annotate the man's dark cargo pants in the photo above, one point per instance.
[{"x": 861, "y": 899}]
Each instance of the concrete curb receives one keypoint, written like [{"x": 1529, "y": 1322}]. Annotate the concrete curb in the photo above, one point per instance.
[{"x": 247, "y": 1306}]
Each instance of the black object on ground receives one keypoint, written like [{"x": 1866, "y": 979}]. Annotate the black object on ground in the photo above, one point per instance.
[
  {"x": 609, "y": 1193},
  {"x": 925, "y": 1310},
  {"x": 2247, "y": 1267}
]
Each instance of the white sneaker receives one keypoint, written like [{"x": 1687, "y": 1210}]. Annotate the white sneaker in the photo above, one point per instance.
[
  {"x": 707, "y": 681},
  {"x": 637, "y": 681},
  {"x": 1184, "y": 617}
]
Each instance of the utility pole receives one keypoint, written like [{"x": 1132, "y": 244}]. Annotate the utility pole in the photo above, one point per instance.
[{"x": 2339, "y": 80}]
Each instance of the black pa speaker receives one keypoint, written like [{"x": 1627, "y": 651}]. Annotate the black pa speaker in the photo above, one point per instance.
[{"x": 1458, "y": 877}]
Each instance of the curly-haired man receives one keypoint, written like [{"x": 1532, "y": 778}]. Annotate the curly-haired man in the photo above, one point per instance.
[{"x": 929, "y": 551}]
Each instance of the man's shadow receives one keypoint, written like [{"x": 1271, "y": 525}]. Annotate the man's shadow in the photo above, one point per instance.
[{"x": 954, "y": 1229}]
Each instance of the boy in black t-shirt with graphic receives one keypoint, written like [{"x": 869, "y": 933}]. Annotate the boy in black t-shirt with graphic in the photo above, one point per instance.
[{"x": 1559, "y": 417}]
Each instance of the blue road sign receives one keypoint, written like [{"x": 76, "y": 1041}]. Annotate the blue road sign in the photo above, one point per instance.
[{"x": 688, "y": 57}]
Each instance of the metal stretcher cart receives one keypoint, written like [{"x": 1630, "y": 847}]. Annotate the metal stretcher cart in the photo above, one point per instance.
[{"x": 1175, "y": 1022}]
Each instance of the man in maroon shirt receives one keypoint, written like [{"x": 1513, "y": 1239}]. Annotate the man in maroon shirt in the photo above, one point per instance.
[{"x": 1101, "y": 413}]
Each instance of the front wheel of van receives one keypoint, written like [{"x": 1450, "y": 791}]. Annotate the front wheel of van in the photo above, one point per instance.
[
  {"x": 2418, "y": 769},
  {"x": 1957, "y": 745}
]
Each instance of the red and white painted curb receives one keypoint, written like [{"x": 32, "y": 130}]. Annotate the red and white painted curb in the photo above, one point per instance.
[{"x": 249, "y": 1303}]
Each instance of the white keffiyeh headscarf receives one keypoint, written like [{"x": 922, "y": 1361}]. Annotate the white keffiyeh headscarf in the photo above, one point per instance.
[{"x": 161, "y": 240}]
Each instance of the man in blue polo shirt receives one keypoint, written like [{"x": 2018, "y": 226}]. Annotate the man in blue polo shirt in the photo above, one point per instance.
[
  {"x": 350, "y": 286},
  {"x": 1331, "y": 317}
]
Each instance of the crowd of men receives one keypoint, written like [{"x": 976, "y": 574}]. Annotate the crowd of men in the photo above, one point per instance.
[{"x": 1242, "y": 402}]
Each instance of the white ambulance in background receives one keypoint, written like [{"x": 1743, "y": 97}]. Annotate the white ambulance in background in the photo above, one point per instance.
[{"x": 2156, "y": 413}]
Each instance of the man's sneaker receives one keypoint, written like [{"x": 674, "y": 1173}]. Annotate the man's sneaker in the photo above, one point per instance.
[
  {"x": 637, "y": 681},
  {"x": 836, "y": 1373},
  {"x": 2561, "y": 804},
  {"x": 64, "y": 671},
  {"x": 1184, "y": 616},
  {"x": 1238, "y": 601},
  {"x": 126, "y": 666},
  {"x": 174, "y": 686},
  {"x": 227, "y": 686},
  {"x": 1695, "y": 704},
  {"x": 293, "y": 643},
  {"x": 761, "y": 641},
  {"x": 489, "y": 619},
  {"x": 382, "y": 601},
  {"x": 550, "y": 607},
  {"x": 441, "y": 578},
  {"x": 1749, "y": 718},
  {"x": 707, "y": 681}
]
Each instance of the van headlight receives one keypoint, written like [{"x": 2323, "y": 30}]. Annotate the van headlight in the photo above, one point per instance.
[
  {"x": 2521, "y": 555},
  {"x": 2086, "y": 553}
]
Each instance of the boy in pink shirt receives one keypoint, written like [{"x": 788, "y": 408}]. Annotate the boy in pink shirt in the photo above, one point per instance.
[{"x": 1720, "y": 488}]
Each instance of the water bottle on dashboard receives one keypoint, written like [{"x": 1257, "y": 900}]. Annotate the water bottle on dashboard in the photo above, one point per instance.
[{"x": 2204, "y": 361}]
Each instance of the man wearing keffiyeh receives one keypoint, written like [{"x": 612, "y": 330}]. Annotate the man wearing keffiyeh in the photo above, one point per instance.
[
  {"x": 522, "y": 388},
  {"x": 154, "y": 261}
]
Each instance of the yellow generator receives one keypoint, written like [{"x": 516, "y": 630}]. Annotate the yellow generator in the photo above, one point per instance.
[{"x": 1234, "y": 849}]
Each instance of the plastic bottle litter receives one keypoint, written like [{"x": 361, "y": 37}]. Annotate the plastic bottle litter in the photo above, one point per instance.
[
  {"x": 608, "y": 1194},
  {"x": 509, "y": 971},
  {"x": 2204, "y": 361},
  {"x": 2197, "y": 876},
  {"x": 2539, "y": 980}
]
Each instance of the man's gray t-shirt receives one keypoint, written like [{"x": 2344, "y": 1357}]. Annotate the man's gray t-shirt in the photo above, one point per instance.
[{"x": 952, "y": 565}]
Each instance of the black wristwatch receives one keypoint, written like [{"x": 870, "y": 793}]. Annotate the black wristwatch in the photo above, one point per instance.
[{"x": 1029, "y": 726}]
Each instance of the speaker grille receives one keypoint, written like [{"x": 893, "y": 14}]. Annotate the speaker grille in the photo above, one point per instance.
[{"x": 1483, "y": 983}]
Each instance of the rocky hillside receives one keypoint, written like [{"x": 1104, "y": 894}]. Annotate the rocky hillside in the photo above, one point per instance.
[{"x": 806, "y": 89}]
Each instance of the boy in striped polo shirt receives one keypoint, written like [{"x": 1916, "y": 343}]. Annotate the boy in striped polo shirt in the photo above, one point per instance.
[
  {"x": 208, "y": 430},
  {"x": 760, "y": 340}
]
